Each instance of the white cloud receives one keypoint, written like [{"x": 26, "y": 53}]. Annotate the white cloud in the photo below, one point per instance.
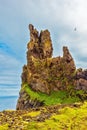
[
  {"x": 60, "y": 17},
  {"x": 10, "y": 69}
]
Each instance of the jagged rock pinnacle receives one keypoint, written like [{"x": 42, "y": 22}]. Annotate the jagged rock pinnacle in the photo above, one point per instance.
[
  {"x": 40, "y": 45},
  {"x": 42, "y": 72}
]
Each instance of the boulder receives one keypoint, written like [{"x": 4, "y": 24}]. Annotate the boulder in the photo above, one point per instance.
[{"x": 81, "y": 79}]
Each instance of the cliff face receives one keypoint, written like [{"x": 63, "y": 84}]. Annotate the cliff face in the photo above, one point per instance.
[
  {"x": 45, "y": 74},
  {"x": 81, "y": 79},
  {"x": 42, "y": 72}
]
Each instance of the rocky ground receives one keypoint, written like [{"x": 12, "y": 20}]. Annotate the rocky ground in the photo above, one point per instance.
[{"x": 57, "y": 117}]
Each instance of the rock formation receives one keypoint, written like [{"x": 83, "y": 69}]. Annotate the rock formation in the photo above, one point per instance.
[
  {"x": 81, "y": 79},
  {"x": 45, "y": 74}
]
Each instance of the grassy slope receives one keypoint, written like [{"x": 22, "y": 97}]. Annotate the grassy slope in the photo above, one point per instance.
[
  {"x": 53, "y": 116},
  {"x": 66, "y": 118},
  {"x": 61, "y": 97}
]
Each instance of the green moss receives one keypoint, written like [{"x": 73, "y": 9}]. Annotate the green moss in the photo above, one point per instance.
[
  {"x": 67, "y": 119},
  {"x": 35, "y": 126},
  {"x": 61, "y": 118},
  {"x": 47, "y": 44},
  {"x": 4, "y": 127},
  {"x": 81, "y": 94},
  {"x": 51, "y": 99},
  {"x": 33, "y": 113}
]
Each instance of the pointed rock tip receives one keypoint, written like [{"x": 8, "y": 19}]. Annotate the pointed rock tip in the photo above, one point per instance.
[
  {"x": 31, "y": 27},
  {"x": 65, "y": 48}
]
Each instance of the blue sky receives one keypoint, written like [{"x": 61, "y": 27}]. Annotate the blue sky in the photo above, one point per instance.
[{"x": 59, "y": 16}]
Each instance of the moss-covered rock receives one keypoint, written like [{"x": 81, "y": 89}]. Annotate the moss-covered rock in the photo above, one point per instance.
[{"x": 34, "y": 99}]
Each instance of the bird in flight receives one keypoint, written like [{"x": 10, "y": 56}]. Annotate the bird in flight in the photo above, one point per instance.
[{"x": 75, "y": 29}]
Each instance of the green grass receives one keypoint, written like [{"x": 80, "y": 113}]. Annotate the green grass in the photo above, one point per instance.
[
  {"x": 4, "y": 127},
  {"x": 67, "y": 119},
  {"x": 33, "y": 113},
  {"x": 52, "y": 99}
]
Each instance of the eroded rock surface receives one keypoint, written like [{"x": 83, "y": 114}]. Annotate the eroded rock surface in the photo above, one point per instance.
[
  {"x": 81, "y": 79},
  {"x": 44, "y": 73}
]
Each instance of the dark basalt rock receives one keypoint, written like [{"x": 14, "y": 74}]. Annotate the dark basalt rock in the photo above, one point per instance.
[
  {"x": 81, "y": 79},
  {"x": 25, "y": 102},
  {"x": 81, "y": 74}
]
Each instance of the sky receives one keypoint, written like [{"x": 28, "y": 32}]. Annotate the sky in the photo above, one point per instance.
[{"x": 60, "y": 17}]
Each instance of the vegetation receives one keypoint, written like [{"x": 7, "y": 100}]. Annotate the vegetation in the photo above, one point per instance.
[
  {"x": 60, "y": 112},
  {"x": 4, "y": 127},
  {"x": 33, "y": 113},
  {"x": 61, "y": 97},
  {"x": 67, "y": 119},
  {"x": 57, "y": 117}
]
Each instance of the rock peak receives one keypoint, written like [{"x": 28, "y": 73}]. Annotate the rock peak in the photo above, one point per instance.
[
  {"x": 31, "y": 27},
  {"x": 40, "y": 45},
  {"x": 33, "y": 33},
  {"x": 43, "y": 73},
  {"x": 66, "y": 54}
]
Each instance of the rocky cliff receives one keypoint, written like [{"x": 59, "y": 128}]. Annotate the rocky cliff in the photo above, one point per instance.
[{"x": 45, "y": 74}]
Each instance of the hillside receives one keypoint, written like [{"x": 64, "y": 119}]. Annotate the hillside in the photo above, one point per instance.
[{"x": 56, "y": 117}]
